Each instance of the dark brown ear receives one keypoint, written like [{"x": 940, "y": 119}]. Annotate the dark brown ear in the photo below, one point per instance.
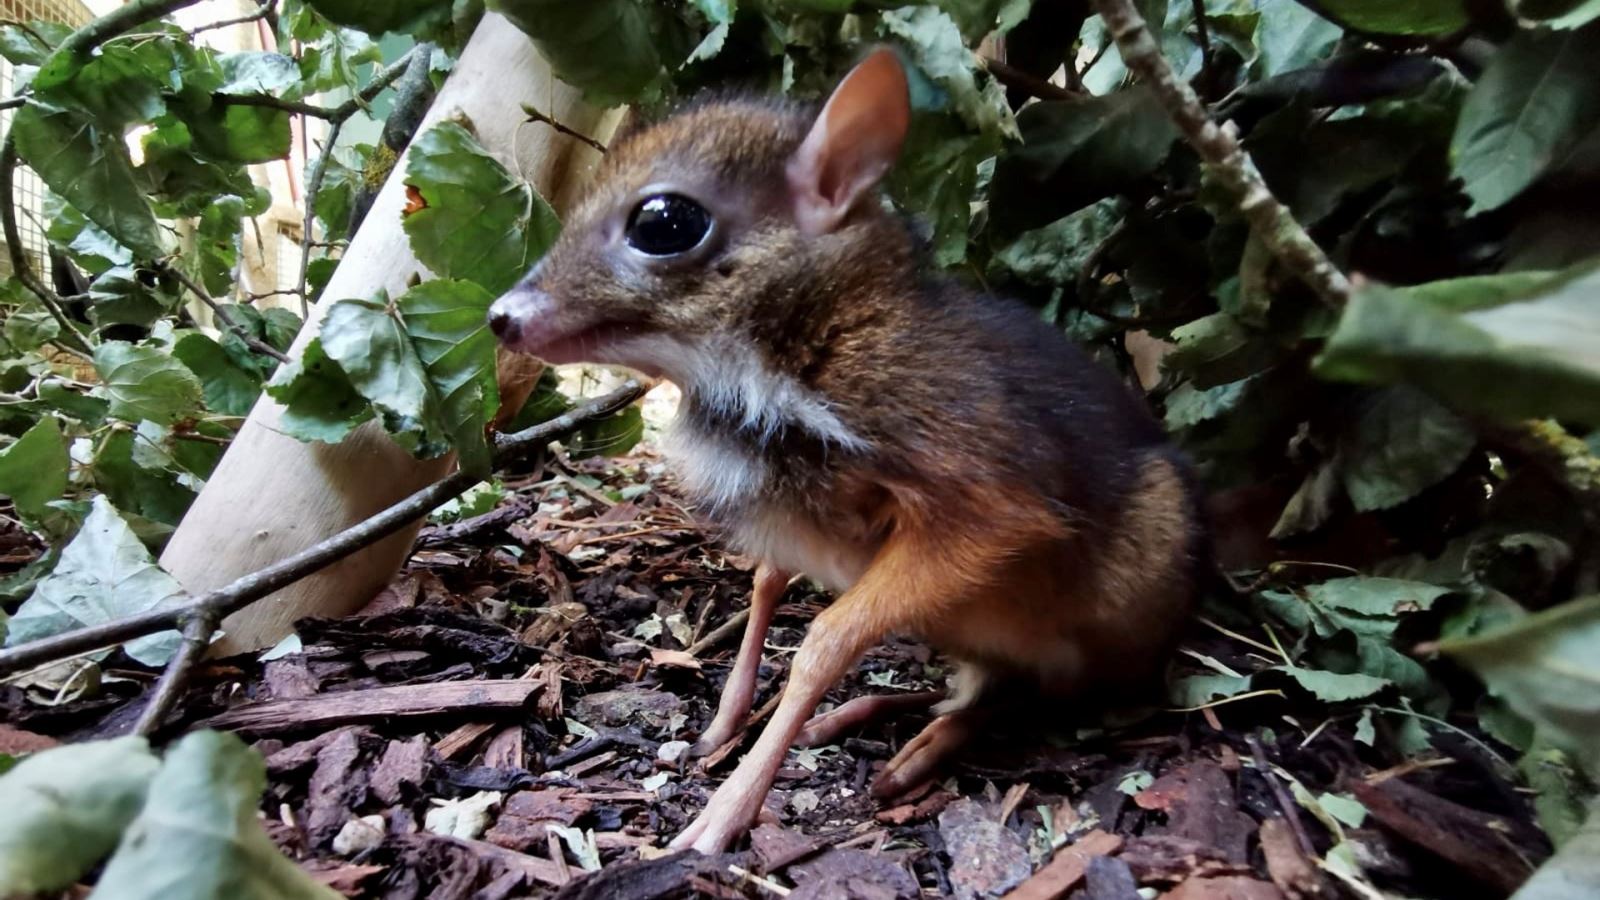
[{"x": 852, "y": 144}]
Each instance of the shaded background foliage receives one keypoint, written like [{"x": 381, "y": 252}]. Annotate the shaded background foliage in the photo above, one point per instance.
[{"x": 1408, "y": 475}]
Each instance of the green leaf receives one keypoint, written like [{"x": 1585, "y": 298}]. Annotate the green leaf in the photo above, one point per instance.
[
  {"x": 22, "y": 45},
  {"x": 481, "y": 224},
  {"x": 719, "y": 13},
  {"x": 934, "y": 44},
  {"x": 1198, "y": 690},
  {"x": 615, "y": 51},
  {"x": 371, "y": 345},
  {"x": 1056, "y": 253},
  {"x": 1076, "y": 152},
  {"x": 1533, "y": 105},
  {"x": 1547, "y": 668},
  {"x": 28, "y": 331},
  {"x": 121, "y": 83},
  {"x": 88, "y": 409},
  {"x": 1401, "y": 443},
  {"x": 104, "y": 575},
  {"x": 146, "y": 382},
  {"x": 33, "y": 470},
  {"x": 231, "y": 133},
  {"x": 1188, "y": 406},
  {"x": 612, "y": 436},
  {"x": 330, "y": 63},
  {"x": 88, "y": 166},
  {"x": 1289, "y": 37},
  {"x": 1530, "y": 356},
  {"x": 378, "y": 16},
  {"x": 230, "y": 388},
  {"x": 91, "y": 247},
  {"x": 1560, "y": 786},
  {"x": 123, "y": 295},
  {"x": 1427, "y": 17},
  {"x": 1574, "y": 872},
  {"x": 936, "y": 176},
  {"x": 320, "y": 403},
  {"x": 199, "y": 834},
  {"x": 1332, "y": 687},
  {"x": 65, "y": 809},
  {"x": 120, "y": 469},
  {"x": 259, "y": 72},
  {"x": 448, "y": 325}
]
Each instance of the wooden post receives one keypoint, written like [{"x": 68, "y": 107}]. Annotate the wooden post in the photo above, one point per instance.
[{"x": 272, "y": 495}]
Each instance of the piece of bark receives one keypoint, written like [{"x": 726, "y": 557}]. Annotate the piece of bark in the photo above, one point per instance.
[
  {"x": 1169, "y": 860},
  {"x": 15, "y": 742},
  {"x": 290, "y": 679},
  {"x": 1066, "y": 869},
  {"x": 1228, "y": 887},
  {"x": 385, "y": 703},
  {"x": 986, "y": 858},
  {"x": 463, "y": 737},
  {"x": 404, "y": 765},
  {"x": 1465, "y": 837},
  {"x": 1286, "y": 865},
  {"x": 335, "y": 788},
  {"x": 851, "y": 875},
  {"x": 299, "y": 755},
  {"x": 647, "y": 879},
  {"x": 505, "y": 749},
  {"x": 777, "y": 846},
  {"x": 1108, "y": 878},
  {"x": 533, "y": 867},
  {"x": 346, "y": 878},
  {"x": 523, "y": 823},
  {"x": 1199, "y": 802},
  {"x": 926, "y": 808}
]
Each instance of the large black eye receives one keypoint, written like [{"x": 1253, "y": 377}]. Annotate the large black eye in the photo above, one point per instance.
[{"x": 667, "y": 224}]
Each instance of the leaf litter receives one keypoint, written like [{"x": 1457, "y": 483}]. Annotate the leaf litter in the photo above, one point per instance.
[{"x": 510, "y": 717}]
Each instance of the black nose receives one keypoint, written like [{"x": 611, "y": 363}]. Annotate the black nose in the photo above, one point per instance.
[{"x": 501, "y": 323}]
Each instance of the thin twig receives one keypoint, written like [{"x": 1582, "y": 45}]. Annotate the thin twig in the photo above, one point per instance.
[
  {"x": 1028, "y": 83},
  {"x": 296, "y": 107},
  {"x": 74, "y": 341},
  {"x": 1219, "y": 148},
  {"x": 197, "y": 634},
  {"x": 1204, "y": 33},
  {"x": 1291, "y": 813},
  {"x": 262, "y": 12},
  {"x": 247, "y": 589},
  {"x": 319, "y": 171},
  {"x": 223, "y": 316},
  {"x": 535, "y": 116}
]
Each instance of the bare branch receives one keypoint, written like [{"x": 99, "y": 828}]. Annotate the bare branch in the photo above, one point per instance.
[
  {"x": 1219, "y": 148},
  {"x": 73, "y": 339},
  {"x": 262, "y": 12},
  {"x": 223, "y": 315},
  {"x": 197, "y": 634},
  {"x": 1013, "y": 77},
  {"x": 319, "y": 172},
  {"x": 535, "y": 116},
  {"x": 245, "y": 590}
]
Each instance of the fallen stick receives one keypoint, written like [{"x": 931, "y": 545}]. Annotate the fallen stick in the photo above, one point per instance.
[
  {"x": 384, "y": 703},
  {"x": 246, "y": 590}
]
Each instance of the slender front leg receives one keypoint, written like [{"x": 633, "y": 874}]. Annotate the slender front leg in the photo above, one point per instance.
[
  {"x": 838, "y": 637},
  {"x": 739, "y": 692},
  {"x": 920, "y": 574}
]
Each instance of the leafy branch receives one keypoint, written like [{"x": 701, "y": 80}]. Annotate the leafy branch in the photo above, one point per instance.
[
  {"x": 1218, "y": 146},
  {"x": 199, "y": 618}
]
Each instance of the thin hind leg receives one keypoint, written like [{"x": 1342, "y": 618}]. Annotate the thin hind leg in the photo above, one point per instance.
[
  {"x": 827, "y": 727},
  {"x": 958, "y": 718}
]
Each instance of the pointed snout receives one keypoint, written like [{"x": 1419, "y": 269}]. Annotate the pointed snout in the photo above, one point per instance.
[{"x": 523, "y": 317}]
